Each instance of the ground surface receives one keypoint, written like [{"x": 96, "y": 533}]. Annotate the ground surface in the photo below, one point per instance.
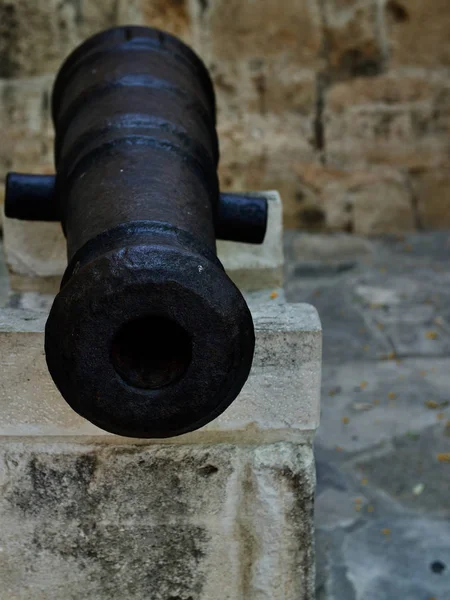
[{"x": 383, "y": 448}]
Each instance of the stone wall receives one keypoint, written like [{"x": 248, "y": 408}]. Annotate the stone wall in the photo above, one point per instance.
[{"x": 342, "y": 105}]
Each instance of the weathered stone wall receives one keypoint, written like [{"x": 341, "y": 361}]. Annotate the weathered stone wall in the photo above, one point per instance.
[{"x": 342, "y": 105}]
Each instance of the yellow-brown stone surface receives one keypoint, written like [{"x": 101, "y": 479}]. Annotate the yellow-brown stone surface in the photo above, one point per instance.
[
  {"x": 432, "y": 189},
  {"x": 401, "y": 119},
  {"x": 366, "y": 201},
  {"x": 170, "y": 15},
  {"x": 352, "y": 36},
  {"x": 351, "y": 88},
  {"x": 25, "y": 125},
  {"x": 418, "y": 32},
  {"x": 36, "y": 35}
]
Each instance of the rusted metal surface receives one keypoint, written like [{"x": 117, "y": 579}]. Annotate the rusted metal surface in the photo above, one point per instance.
[{"x": 148, "y": 337}]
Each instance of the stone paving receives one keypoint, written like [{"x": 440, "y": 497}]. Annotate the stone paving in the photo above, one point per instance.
[{"x": 383, "y": 447}]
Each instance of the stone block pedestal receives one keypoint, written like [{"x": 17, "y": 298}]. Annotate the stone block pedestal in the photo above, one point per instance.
[
  {"x": 222, "y": 513},
  {"x": 189, "y": 521}
]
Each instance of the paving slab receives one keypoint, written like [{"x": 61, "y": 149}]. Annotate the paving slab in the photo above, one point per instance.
[{"x": 383, "y": 447}]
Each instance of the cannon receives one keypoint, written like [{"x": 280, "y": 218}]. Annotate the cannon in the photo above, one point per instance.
[{"x": 148, "y": 337}]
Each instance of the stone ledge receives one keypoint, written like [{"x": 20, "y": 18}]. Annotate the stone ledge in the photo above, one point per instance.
[
  {"x": 280, "y": 400},
  {"x": 36, "y": 254}
]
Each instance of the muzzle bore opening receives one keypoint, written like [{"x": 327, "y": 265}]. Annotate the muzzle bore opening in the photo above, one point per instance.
[{"x": 151, "y": 352}]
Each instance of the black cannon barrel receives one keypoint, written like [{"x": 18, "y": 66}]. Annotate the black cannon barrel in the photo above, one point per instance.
[{"x": 148, "y": 336}]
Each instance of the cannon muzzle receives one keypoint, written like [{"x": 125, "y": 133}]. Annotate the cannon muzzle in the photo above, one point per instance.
[{"x": 148, "y": 336}]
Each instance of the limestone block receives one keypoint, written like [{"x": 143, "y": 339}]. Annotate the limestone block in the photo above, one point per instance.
[
  {"x": 400, "y": 119},
  {"x": 205, "y": 522},
  {"x": 396, "y": 86},
  {"x": 432, "y": 189},
  {"x": 361, "y": 201},
  {"x": 280, "y": 400},
  {"x": 36, "y": 35},
  {"x": 231, "y": 29},
  {"x": 4, "y": 283},
  {"x": 169, "y": 15},
  {"x": 263, "y": 58},
  {"x": 354, "y": 44},
  {"x": 264, "y": 86},
  {"x": 257, "y": 267},
  {"x": 36, "y": 254},
  {"x": 261, "y": 53},
  {"x": 418, "y": 32},
  {"x": 27, "y": 135},
  {"x": 2, "y": 200},
  {"x": 263, "y": 151},
  {"x": 382, "y": 206}
]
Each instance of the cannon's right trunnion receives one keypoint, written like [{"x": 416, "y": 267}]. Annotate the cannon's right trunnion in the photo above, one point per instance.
[{"x": 148, "y": 336}]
